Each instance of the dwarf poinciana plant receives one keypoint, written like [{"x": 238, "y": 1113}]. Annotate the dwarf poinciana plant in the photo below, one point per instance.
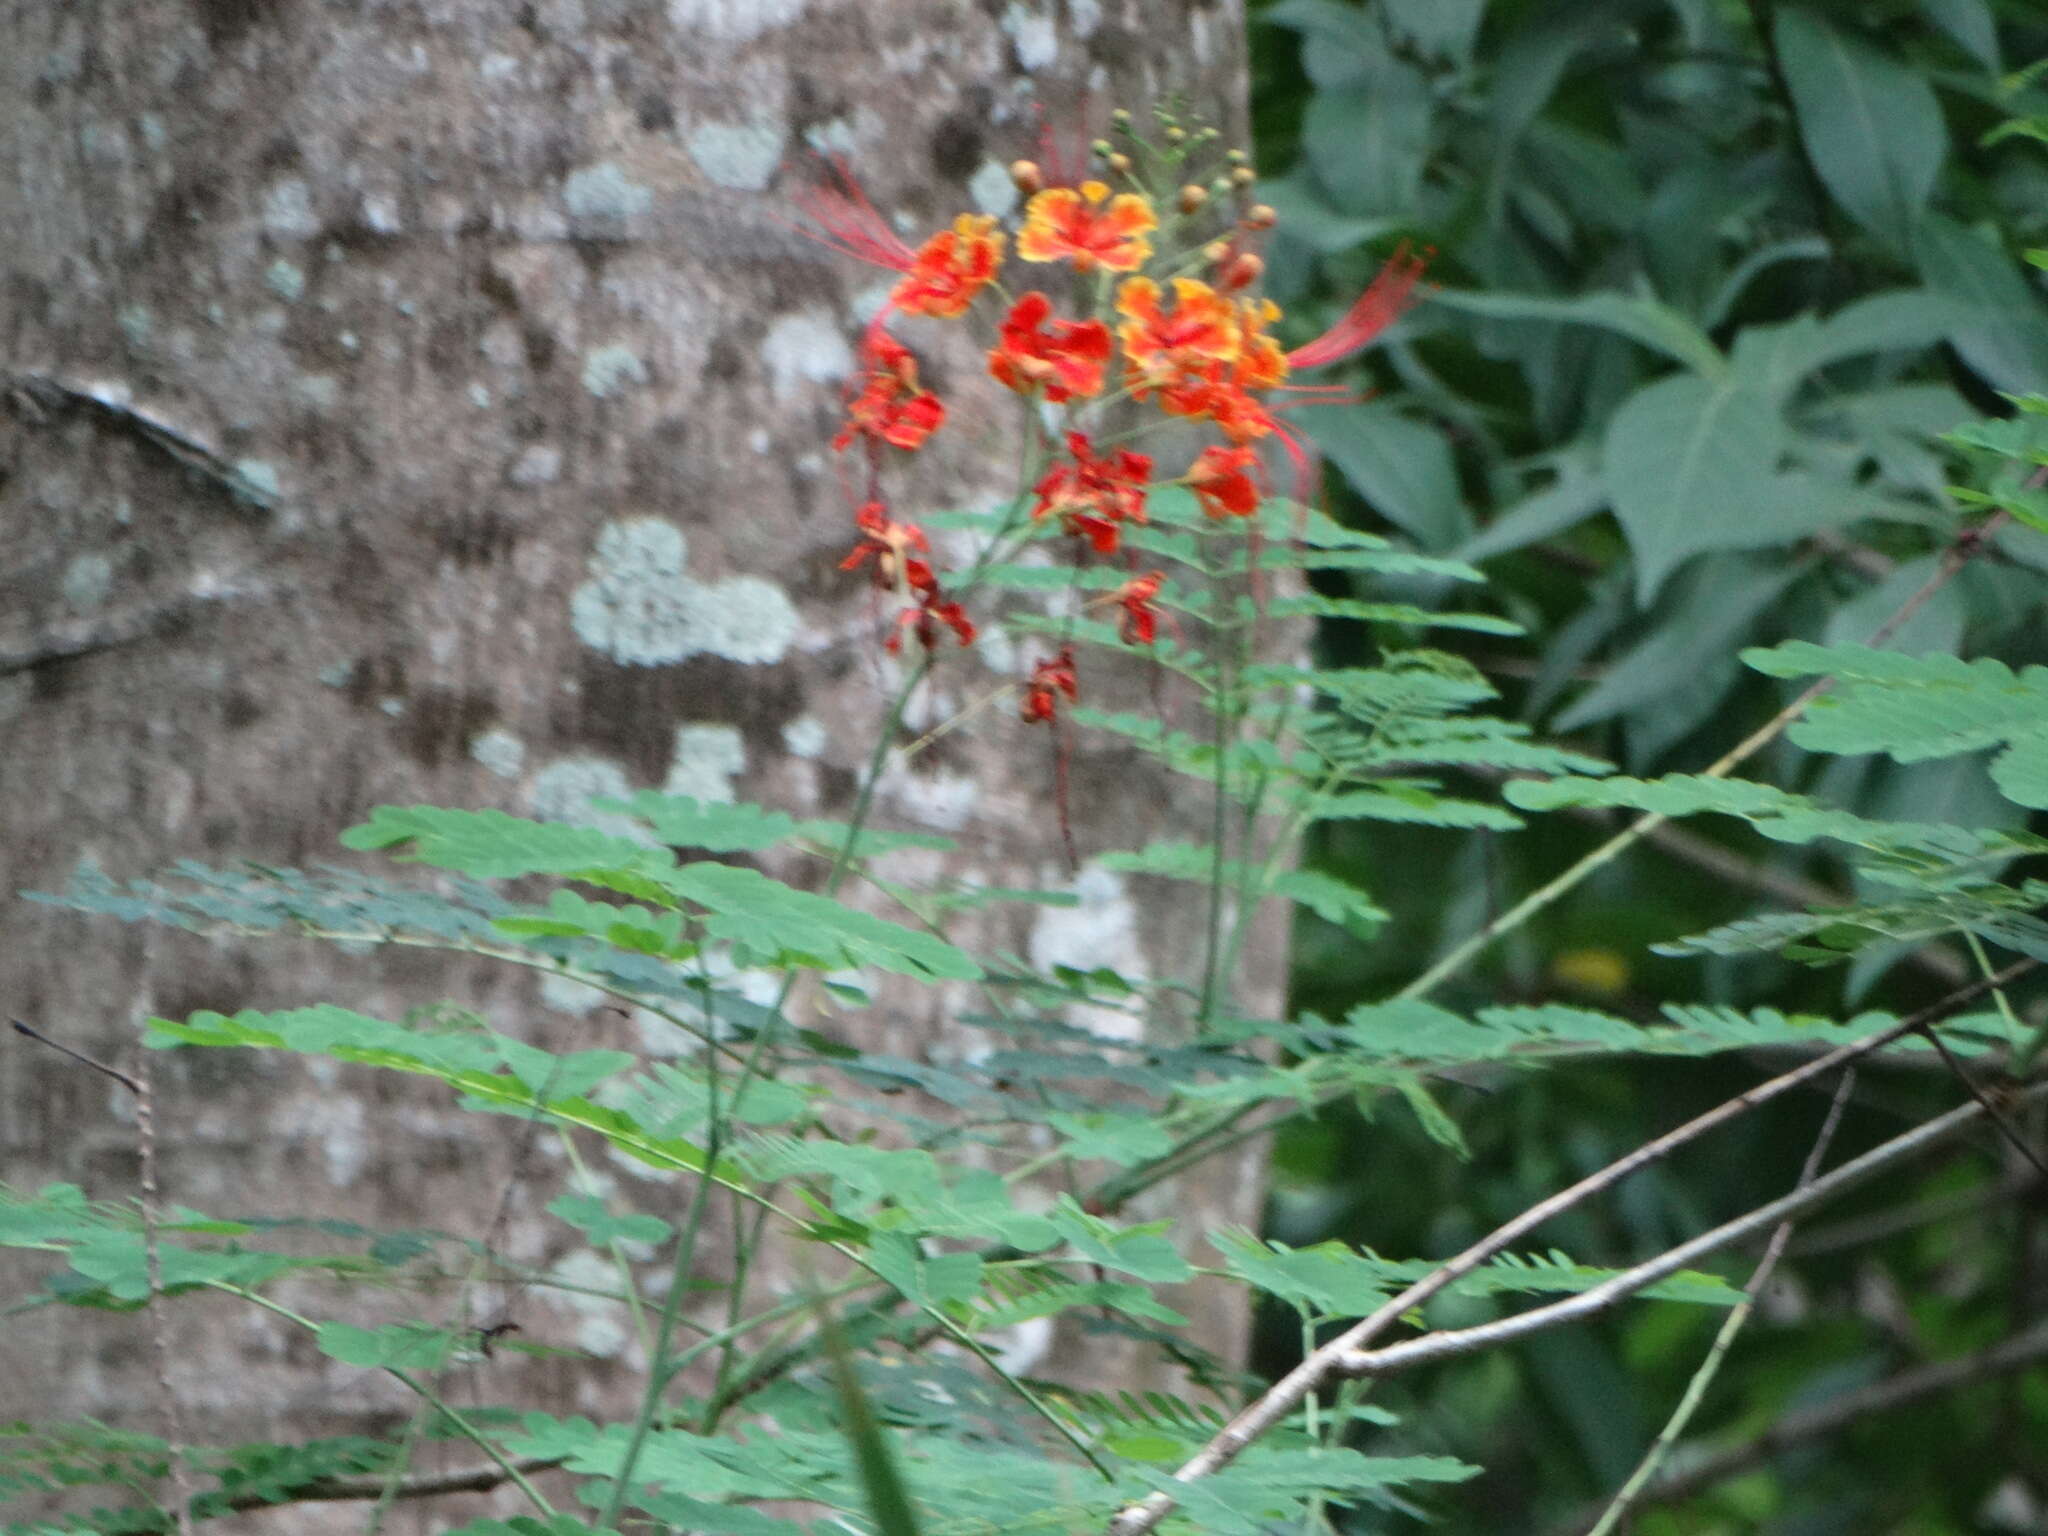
[
  {"x": 1123, "y": 305},
  {"x": 959, "y": 1201}
]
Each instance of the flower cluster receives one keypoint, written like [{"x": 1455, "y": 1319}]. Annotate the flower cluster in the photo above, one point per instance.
[{"x": 1118, "y": 302}]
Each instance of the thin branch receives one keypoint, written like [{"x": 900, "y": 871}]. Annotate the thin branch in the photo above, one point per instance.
[
  {"x": 80, "y": 1057},
  {"x": 2016, "y": 1353},
  {"x": 421, "y": 1485},
  {"x": 159, "y": 1327},
  {"x": 152, "y": 1215},
  {"x": 1464, "y": 1341},
  {"x": 1285, "y": 1395},
  {"x": 1731, "y": 1328},
  {"x": 1855, "y": 1231},
  {"x": 1998, "y": 1117},
  {"x": 1958, "y": 555}
]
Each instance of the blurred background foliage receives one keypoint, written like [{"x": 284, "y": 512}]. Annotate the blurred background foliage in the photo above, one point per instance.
[{"x": 1711, "y": 277}]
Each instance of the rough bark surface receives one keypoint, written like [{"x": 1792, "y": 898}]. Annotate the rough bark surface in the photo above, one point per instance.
[{"x": 427, "y": 401}]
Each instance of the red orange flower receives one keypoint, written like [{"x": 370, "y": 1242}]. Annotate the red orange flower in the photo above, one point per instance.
[
  {"x": 890, "y": 545},
  {"x": 1167, "y": 346},
  {"x": 924, "y": 620},
  {"x": 949, "y": 269},
  {"x": 1222, "y": 483},
  {"x": 1071, "y": 224},
  {"x": 1140, "y": 622},
  {"x": 1260, "y": 362},
  {"x": 1066, "y": 358},
  {"x": 890, "y": 407},
  {"x": 1050, "y": 679},
  {"x": 1383, "y": 301},
  {"x": 1095, "y": 496}
]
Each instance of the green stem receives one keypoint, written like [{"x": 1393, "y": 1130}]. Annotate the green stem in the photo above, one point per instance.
[
  {"x": 2016, "y": 1032},
  {"x": 660, "y": 1369}
]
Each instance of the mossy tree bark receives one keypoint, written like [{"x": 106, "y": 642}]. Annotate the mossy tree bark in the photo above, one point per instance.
[{"x": 428, "y": 402}]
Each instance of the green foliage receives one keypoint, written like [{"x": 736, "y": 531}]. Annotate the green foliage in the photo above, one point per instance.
[
  {"x": 1650, "y": 390},
  {"x": 1725, "y": 293}
]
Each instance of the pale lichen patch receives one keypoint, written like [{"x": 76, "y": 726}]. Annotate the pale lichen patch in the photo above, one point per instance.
[
  {"x": 256, "y": 481},
  {"x": 610, "y": 369},
  {"x": 1032, "y": 35},
  {"x": 564, "y": 790},
  {"x": 601, "y": 1328},
  {"x": 742, "y": 156},
  {"x": 288, "y": 210},
  {"x": 732, "y": 21},
  {"x": 86, "y": 581},
  {"x": 605, "y": 191},
  {"x": 641, "y": 608},
  {"x": 992, "y": 189},
  {"x": 706, "y": 760},
  {"x": 285, "y": 280},
  {"x": 805, "y": 737},
  {"x": 499, "y": 751},
  {"x": 804, "y": 348},
  {"x": 1100, "y": 931}
]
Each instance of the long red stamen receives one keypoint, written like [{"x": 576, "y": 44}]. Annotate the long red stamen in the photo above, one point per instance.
[
  {"x": 851, "y": 225},
  {"x": 1065, "y": 163},
  {"x": 1382, "y": 303}
]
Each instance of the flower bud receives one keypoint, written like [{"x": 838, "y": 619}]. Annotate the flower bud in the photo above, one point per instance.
[
  {"x": 1025, "y": 176},
  {"x": 1237, "y": 157},
  {"x": 1176, "y": 134},
  {"x": 1120, "y": 162},
  {"x": 1244, "y": 176},
  {"x": 1241, "y": 271},
  {"x": 1192, "y": 197},
  {"x": 1100, "y": 149},
  {"x": 1121, "y": 117},
  {"x": 1215, "y": 251},
  {"x": 1261, "y": 216}
]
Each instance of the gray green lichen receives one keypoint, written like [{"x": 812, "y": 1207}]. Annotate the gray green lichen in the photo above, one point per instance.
[
  {"x": 604, "y": 191},
  {"x": 610, "y": 369},
  {"x": 707, "y": 758},
  {"x": 500, "y": 751},
  {"x": 641, "y": 607},
  {"x": 742, "y": 156}
]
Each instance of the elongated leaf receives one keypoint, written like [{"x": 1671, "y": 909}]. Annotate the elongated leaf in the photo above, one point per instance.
[
  {"x": 1871, "y": 125},
  {"x": 773, "y": 923},
  {"x": 400, "y": 1346},
  {"x": 1402, "y": 468},
  {"x": 1716, "y": 603},
  {"x": 1577, "y": 494},
  {"x": 1971, "y": 24},
  {"x": 1691, "y": 465},
  {"x": 1904, "y": 319},
  {"x": 2008, "y": 345},
  {"x": 1656, "y": 326}
]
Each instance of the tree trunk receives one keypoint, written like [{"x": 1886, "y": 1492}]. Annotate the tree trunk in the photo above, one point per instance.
[{"x": 428, "y": 401}]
